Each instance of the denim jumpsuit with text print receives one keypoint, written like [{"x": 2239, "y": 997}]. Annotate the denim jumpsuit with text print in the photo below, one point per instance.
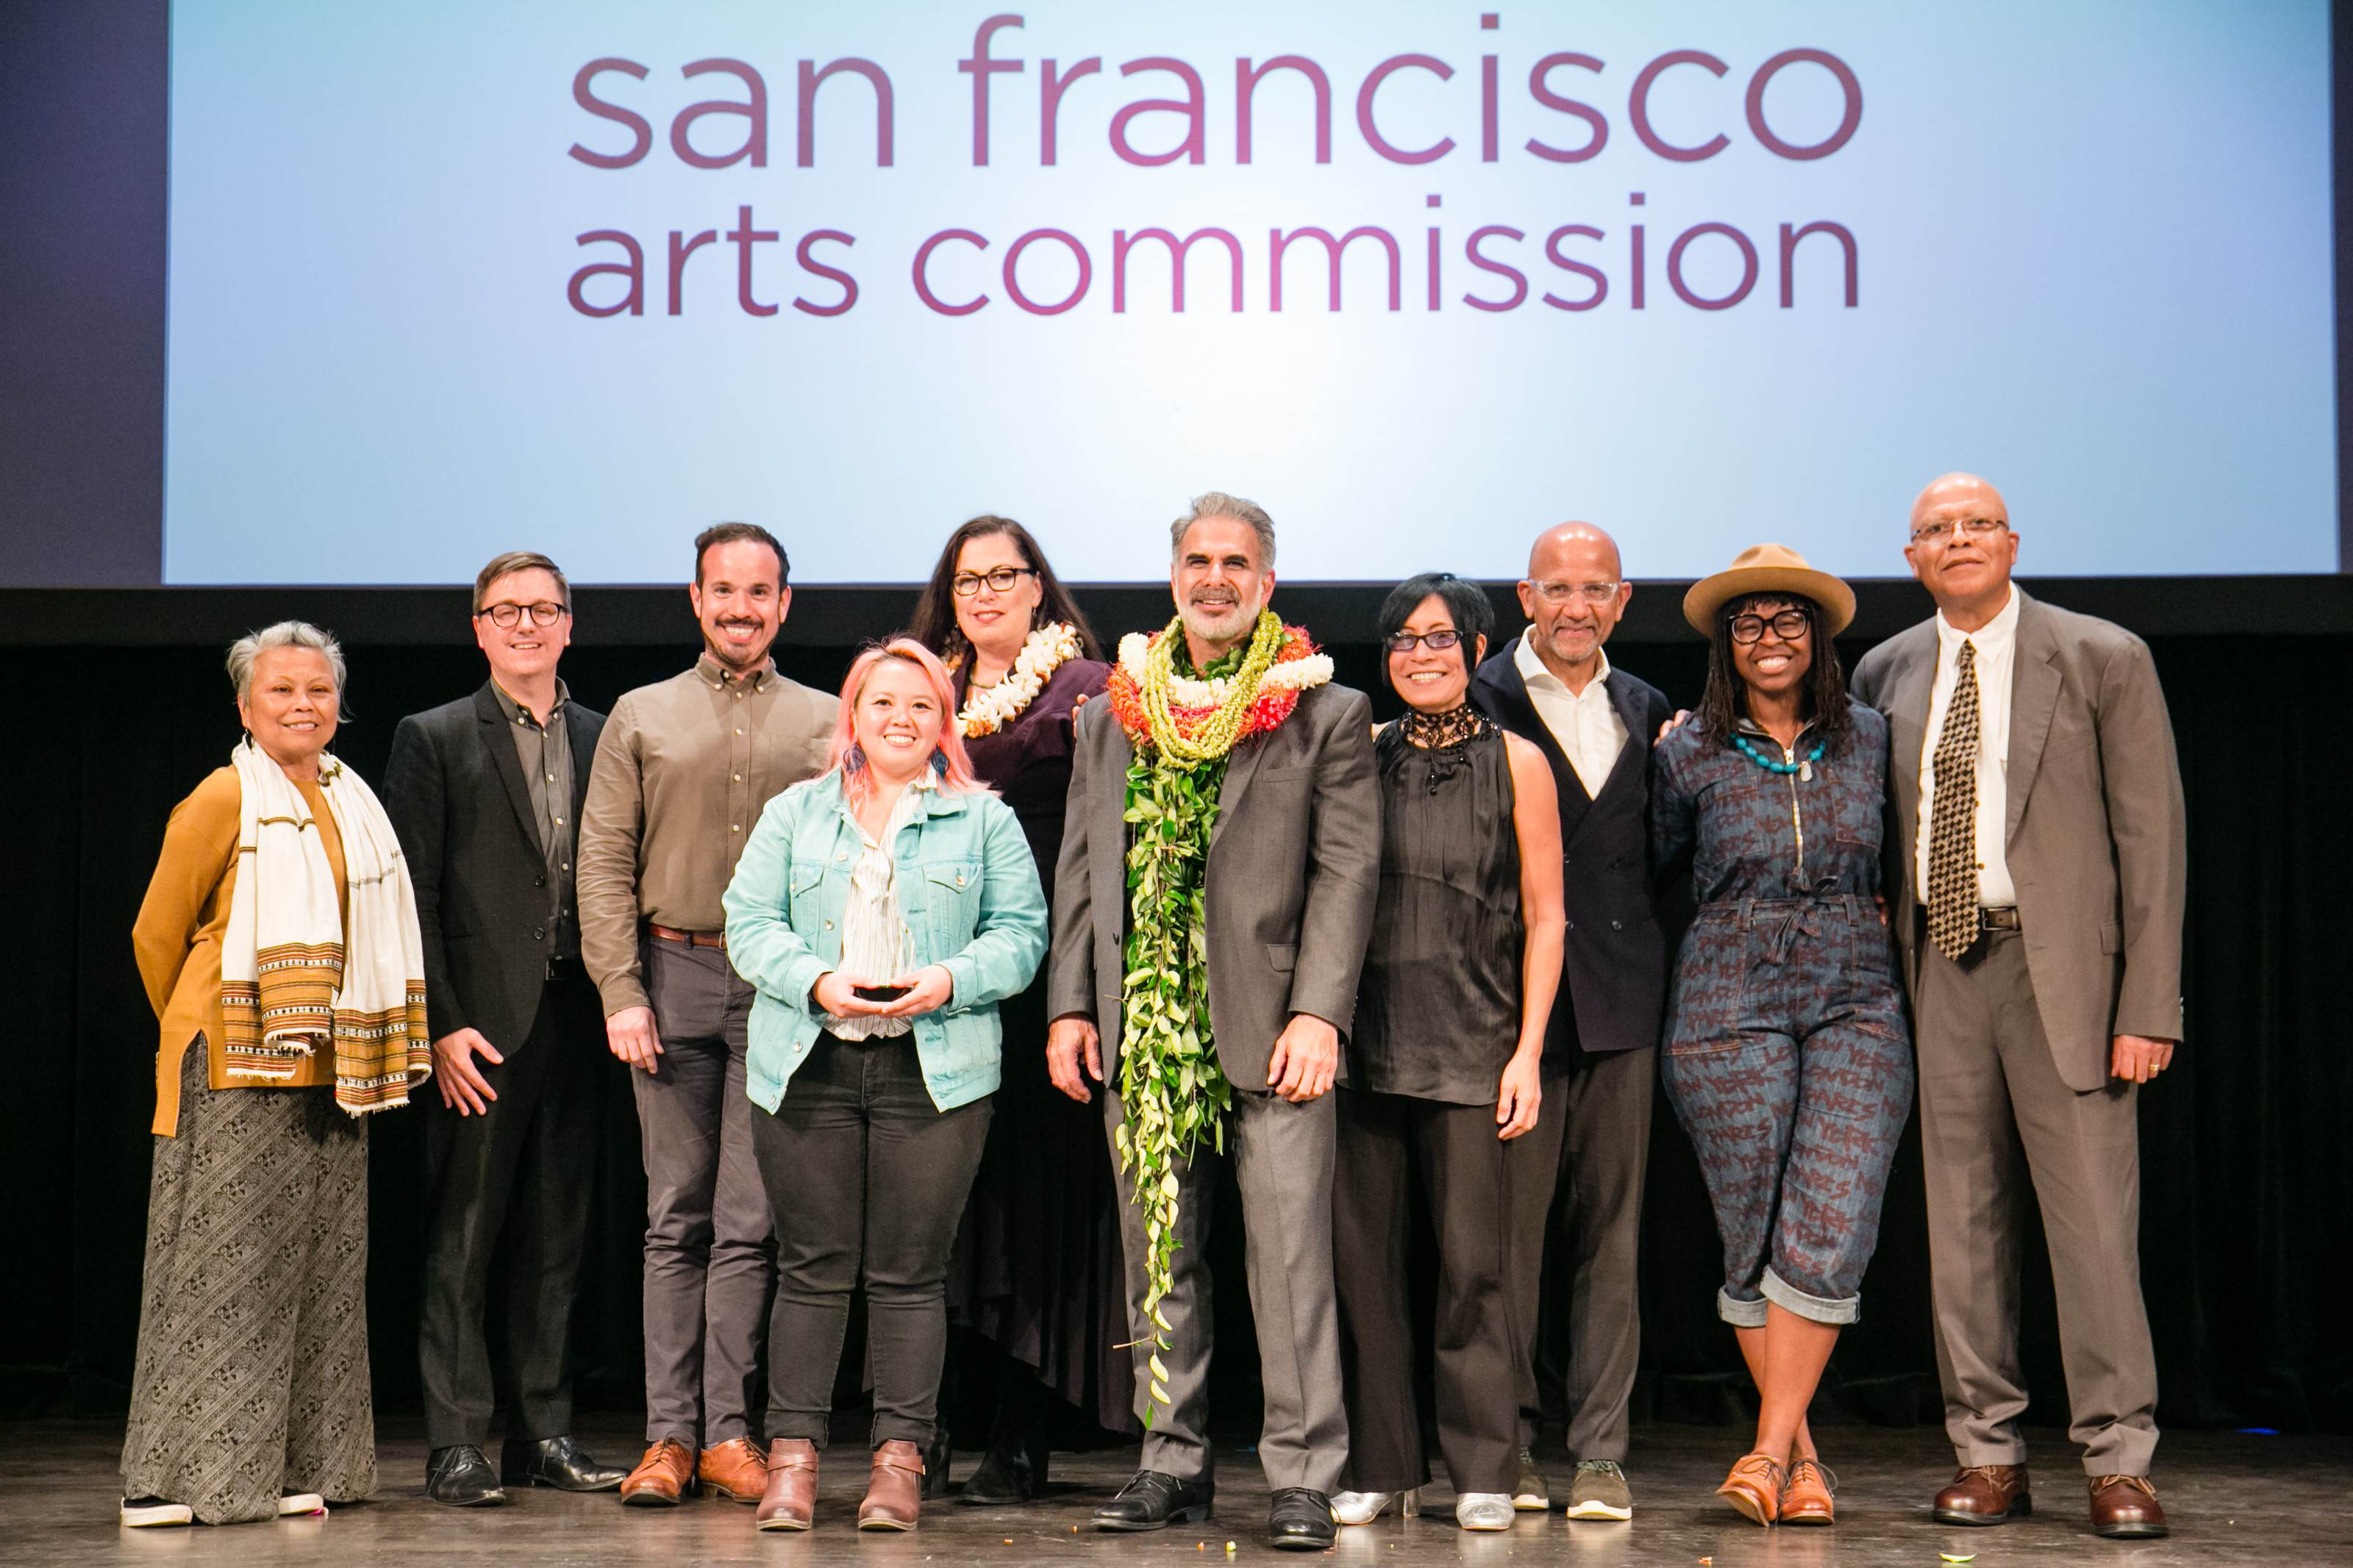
[{"x": 1787, "y": 1057}]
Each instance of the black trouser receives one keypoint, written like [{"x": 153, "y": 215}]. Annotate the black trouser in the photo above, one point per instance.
[
  {"x": 868, "y": 1180},
  {"x": 1479, "y": 1345},
  {"x": 518, "y": 1171}
]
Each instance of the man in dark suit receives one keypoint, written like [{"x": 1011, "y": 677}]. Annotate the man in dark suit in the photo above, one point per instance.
[
  {"x": 2037, "y": 899},
  {"x": 1289, "y": 884},
  {"x": 485, "y": 794},
  {"x": 1553, "y": 686}
]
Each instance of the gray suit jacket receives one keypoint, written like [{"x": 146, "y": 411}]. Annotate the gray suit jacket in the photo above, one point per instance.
[
  {"x": 1294, "y": 868},
  {"x": 2095, "y": 833}
]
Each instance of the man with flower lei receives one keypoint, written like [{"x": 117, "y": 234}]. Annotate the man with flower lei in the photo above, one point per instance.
[{"x": 1216, "y": 890}]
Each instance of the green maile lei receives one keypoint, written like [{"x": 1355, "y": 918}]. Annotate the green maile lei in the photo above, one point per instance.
[{"x": 1175, "y": 1092}]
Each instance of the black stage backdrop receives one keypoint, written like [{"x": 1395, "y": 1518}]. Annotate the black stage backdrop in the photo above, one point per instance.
[{"x": 2247, "y": 1168}]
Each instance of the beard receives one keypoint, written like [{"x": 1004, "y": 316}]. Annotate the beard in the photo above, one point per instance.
[{"x": 1227, "y": 626}]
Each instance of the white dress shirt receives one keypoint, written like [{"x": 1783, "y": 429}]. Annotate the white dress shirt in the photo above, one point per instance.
[
  {"x": 1586, "y": 723},
  {"x": 875, "y": 943},
  {"x": 1997, "y": 645}
]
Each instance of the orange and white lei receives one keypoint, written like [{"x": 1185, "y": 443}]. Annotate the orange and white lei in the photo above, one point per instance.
[
  {"x": 1190, "y": 721},
  {"x": 987, "y": 710}
]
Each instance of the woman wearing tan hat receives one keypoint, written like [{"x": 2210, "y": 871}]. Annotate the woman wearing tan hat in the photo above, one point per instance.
[{"x": 1787, "y": 1056}]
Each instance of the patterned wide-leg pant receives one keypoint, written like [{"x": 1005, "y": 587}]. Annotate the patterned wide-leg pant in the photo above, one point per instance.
[{"x": 252, "y": 1375}]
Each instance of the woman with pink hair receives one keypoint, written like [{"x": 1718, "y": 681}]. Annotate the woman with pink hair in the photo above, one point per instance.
[{"x": 882, "y": 912}]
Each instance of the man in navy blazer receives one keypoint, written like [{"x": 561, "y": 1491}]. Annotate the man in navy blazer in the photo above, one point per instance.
[
  {"x": 485, "y": 794},
  {"x": 1553, "y": 686}
]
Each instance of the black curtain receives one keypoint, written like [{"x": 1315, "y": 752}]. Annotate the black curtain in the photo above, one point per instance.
[{"x": 2247, "y": 1170}]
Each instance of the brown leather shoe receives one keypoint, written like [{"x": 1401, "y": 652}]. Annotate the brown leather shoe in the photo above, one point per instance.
[
  {"x": 736, "y": 1471},
  {"x": 1984, "y": 1494},
  {"x": 790, "y": 1501},
  {"x": 661, "y": 1477},
  {"x": 1753, "y": 1488},
  {"x": 2125, "y": 1507},
  {"x": 894, "y": 1489},
  {"x": 1806, "y": 1500}
]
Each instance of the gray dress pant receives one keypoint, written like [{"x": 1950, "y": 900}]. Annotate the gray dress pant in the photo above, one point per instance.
[
  {"x": 1994, "y": 1115},
  {"x": 711, "y": 1245},
  {"x": 1593, "y": 1138},
  {"x": 1283, "y": 1156}
]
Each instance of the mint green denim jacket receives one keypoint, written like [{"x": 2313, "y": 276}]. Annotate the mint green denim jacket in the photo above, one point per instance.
[{"x": 967, "y": 888}]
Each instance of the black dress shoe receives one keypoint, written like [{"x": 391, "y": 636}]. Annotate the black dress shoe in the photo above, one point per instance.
[
  {"x": 1300, "y": 1521},
  {"x": 1154, "y": 1501},
  {"x": 460, "y": 1476},
  {"x": 1011, "y": 1473},
  {"x": 557, "y": 1462}
]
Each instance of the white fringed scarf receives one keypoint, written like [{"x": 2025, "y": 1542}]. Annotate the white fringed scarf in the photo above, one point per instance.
[{"x": 289, "y": 979}]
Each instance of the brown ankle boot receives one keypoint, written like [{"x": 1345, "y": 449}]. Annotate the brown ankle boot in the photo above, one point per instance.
[
  {"x": 894, "y": 1491},
  {"x": 790, "y": 1501}
]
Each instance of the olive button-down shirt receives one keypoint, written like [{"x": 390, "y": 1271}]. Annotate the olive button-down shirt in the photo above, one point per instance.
[{"x": 545, "y": 753}]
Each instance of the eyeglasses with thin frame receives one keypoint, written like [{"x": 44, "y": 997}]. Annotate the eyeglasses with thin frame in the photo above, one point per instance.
[
  {"x": 506, "y": 613},
  {"x": 1964, "y": 527},
  {"x": 999, "y": 579},
  {"x": 1788, "y": 624},
  {"x": 1442, "y": 639},
  {"x": 1593, "y": 593}
]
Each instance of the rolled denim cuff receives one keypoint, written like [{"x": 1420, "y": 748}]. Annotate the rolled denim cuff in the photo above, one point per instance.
[
  {"x": 1738, "y": 1313},
  {"x": 1793, "y": 1300}
]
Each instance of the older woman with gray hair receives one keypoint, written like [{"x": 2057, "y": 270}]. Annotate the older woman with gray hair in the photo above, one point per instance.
[{"x": 279, "y": 945}]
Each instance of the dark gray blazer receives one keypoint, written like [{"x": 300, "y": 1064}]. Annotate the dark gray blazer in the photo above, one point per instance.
[
  {"x": 1295, "y": 868},
  {"x": 1613, "y": 980},
  {"x": 456, "y": 795},
  {"x": 2095, "y": 833}
]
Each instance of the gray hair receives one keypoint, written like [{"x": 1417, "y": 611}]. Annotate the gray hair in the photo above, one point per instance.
[
  {"x": 243, "y": 652},
  {"x": 1217, "y": 503}
]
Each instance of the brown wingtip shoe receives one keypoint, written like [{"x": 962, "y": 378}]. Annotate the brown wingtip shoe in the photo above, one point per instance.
[
  {"x": 2125, "y": 1508},
  {"x": 894, "y": 1489},
  {"x": 736, "y": 1469},
  {"x": 665, "y": 1474},
  {"x": 1984, "y": 1494}
]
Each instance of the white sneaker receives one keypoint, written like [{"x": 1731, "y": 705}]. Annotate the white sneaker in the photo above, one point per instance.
[
  {"x": 1363, "y": 1508},
  {"x": 293, "y": 1503},
  {"x": 140, "y": 1513},
  {"x": 1483, "y": 1510}
]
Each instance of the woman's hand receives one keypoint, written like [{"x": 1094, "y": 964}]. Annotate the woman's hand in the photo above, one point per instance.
[
  {"x": 833, "y": 995},
  {"x": 928, "y": 990},
  {"x": 1517, "y": 1097}
]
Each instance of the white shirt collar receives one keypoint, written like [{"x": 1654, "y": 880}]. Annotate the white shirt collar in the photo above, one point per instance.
[
  {"x": 1992, "y": 639},
  {"x": 1533, "y": 672}
]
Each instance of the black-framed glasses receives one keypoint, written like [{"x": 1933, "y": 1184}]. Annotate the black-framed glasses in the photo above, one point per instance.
[
  {"x": 1962, "y": 528},
  {"x": 545, "y": 612},
  {"x": 1001, "y": 580},
  {"x": 1788, "y": 626},
  {"x": 1439, "y": 640}
]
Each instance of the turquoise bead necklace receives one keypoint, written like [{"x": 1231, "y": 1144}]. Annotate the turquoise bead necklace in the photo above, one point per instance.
[{"x": 1803, "y": 767}]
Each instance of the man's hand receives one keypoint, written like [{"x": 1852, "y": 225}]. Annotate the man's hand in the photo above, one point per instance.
[
  {"x": 630, "y": 1033},
  {"x": 463, "y": 1086},
  {"x": 1672, "y": 725},
  {"x": 2140, "y": 1059},
  {"x": 1517, "y": 1097},
  {"x": 928, "y": 990},
  {"x": 1071, "y": 1039},
  {"x": 1306, "y": 1056}
]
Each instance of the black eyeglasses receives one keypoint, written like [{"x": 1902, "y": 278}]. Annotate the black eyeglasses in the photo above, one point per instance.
[
  {"x": 546, "y": 613},
  {"x": 1405, "y": 642},
  {"x": 1788, "y": 626},
  {"x": 999, "y": 580}
]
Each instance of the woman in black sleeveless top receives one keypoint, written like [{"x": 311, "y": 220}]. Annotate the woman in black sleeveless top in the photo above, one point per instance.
[{"x": 1443, "y": 1066}]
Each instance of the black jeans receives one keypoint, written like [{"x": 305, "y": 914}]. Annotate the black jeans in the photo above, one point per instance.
[{"x": 868, "y": 1180}]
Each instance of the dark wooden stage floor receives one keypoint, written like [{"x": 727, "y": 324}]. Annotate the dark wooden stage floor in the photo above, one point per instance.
[{"x": 2282, "y": 1502}]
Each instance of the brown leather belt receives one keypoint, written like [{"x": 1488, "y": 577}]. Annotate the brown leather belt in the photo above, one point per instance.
[
  {"x": 2003, "y": 919},
  {"x": 692, "y": 938}
]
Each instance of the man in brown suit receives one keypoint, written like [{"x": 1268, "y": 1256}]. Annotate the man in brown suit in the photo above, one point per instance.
[{"x": 2039, "y": 901}]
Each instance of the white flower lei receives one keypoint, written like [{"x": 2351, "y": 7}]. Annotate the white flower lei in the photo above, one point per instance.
[
  {"x": 1283, "y": 675},
  {"x": 989, "y": 710}
]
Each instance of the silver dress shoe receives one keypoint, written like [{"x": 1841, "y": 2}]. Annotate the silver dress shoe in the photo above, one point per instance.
[
  {"x": 1599, "y": 1491},
  {"x": 1483, "y": 1510},
  {"x": 1531, "y": 1495},
  {"x": 1363, "y": 1508}
]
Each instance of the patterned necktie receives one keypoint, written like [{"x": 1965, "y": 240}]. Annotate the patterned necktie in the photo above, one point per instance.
[{"x": 1952, "y": 829}]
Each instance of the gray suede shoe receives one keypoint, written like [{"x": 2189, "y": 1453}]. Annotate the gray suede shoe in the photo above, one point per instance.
[
  {"x": 1599, "y": 1491},
  {"x": 1531, "y": 1495}
]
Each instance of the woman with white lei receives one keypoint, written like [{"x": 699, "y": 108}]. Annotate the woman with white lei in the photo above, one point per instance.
[{"x": 1037, "y": 1283}]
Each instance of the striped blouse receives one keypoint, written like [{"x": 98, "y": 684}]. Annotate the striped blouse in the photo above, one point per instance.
[{"x": 875, "y": 945}]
